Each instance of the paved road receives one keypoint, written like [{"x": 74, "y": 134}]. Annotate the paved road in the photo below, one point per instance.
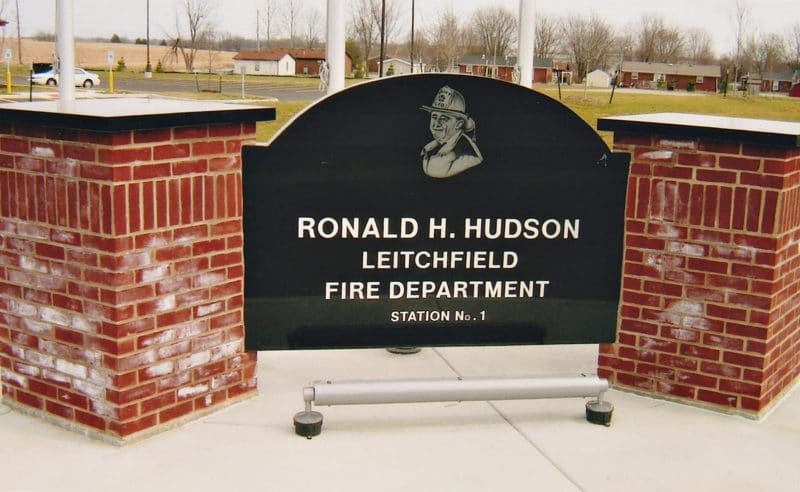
[
  {"x": 267, "y": 88},
  {"x": 270, "y": 87}
]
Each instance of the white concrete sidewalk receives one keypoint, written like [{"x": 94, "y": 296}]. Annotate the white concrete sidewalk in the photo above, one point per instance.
[{"x": 539, "y": 445}]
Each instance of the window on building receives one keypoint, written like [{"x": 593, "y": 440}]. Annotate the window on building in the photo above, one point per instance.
[
  {"x": 700, "y": 79},
  {"x": 635, "y": 75},
  {"x": 469, "y": 68},
  {"x": 257, "y": 66}
]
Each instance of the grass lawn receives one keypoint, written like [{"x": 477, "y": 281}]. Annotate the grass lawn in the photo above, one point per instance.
[
  {"x": 300, "y": 81},
  {"x": 284, "y": 111},
  {"x": 595, "y": 105}
]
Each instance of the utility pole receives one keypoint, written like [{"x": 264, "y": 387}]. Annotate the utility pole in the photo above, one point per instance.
[
  {"x": 258, "y": 30},
  {"x": 412, "y": 36},
  {"x": 383, "y": 36},
  {"x": 19, "y": 36},
  {"x": 148, "y": 68}
]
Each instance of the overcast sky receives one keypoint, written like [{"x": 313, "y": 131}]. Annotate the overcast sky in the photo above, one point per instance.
[{"x": 128, "y": 17}]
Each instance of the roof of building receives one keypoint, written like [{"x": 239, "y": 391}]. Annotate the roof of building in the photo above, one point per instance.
[
  {"x": 307, "y": 53},
  {"x": 377, "y": 59},
  {"x": 502, "y": 61},
  {"x": 274, "y": 54},
  {"x": 778, "y": 76},
  {"x": 672, "y": 68}
]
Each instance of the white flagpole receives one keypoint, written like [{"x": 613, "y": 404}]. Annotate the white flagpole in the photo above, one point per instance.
[
  {"x": 335, "y": 51},
  {"x": 65, "y": 48},
  {"x": 527, "y": 29}
]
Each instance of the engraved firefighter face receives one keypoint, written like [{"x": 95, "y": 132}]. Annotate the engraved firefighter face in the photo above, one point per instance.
[
  {"x": 453, "y": 149},
  {"x": 448, "y": 114},
  {"x": 443, "y": 126}
]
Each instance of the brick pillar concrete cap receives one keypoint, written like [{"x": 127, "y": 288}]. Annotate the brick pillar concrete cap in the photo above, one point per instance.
[
  {"x": 745, "y": 130},
  {"x": 133, "y": 113}
]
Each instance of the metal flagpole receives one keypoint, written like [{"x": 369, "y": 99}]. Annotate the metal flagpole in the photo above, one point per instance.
[
  {"x": 335, "y": 53},
  {"x": 65, "y": 48},
  {"x": 526, "y": 38},
  {"x": 308, "y": 423}
]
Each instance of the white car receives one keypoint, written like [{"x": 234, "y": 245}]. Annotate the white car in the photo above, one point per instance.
[{"x": 83, "y": 78}]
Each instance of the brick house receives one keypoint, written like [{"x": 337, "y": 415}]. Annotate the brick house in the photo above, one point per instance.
[
  {"x": 779, "y": 81},
  {"x": 503, "y": 67},
  {"x": 307, "y": 61},
  {"x": 645, "y": 75}
]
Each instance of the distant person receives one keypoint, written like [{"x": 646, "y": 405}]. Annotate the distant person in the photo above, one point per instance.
[
  {"x": 453, "y": 149},
  {"x": 324, "y": 76}
]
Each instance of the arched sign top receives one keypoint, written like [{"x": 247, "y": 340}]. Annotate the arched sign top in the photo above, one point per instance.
[
  {"x": 432, "y": 209},
  {"x": 394, "y": 113}
]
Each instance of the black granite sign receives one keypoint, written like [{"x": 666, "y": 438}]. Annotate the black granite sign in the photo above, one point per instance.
[{"x": 432, "y": 210}]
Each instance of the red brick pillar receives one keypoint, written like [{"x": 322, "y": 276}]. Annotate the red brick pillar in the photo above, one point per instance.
[
  {"x": 711, "y": 283},
  {"x": 121, "y": 263}
]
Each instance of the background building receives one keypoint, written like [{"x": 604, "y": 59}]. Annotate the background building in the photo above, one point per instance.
[
  {"x": 678, "y": 76},
  {"x": 284, "y": 61},
  {"x": 503, "y": 67}
]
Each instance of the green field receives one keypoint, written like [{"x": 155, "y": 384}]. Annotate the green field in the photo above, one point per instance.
[
  {"x": 284, "y": 111},
  {"x": 596, "y": 105}
]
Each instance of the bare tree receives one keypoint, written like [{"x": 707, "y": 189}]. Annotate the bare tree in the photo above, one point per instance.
[
  {"x": 590, "y": 41},
  {"x": 546, "y": 36},
  {"x": 314, "y": 23},
  {"x": 793, "y": 48},
  {"x": 270, "y": 7},
  {"x": 767, "y": 53},
  {"x": 392, "y": 14},
  {"x": 392, "y": 19},
  {"x": 669, "y": 45},
  {"x": 226, "y": 41},
  {"x": 657, "y": 41},
  {"x": 698, "y": 46},
  {"x": 291, "y": 16},
  {"x": 197, "y": 19},
  {"x": 363, "y": 27},
  {"x": 213, "y": 49},
  {"x": 446, "y": 40},
  {"x": 422, "y": 47},
  {"x": 741, "y": 20},
  {"x": 496, "y": 29},
  {"x": 624, "y": 46},
  {"x": 650, "y": 25},
  {"x": 365, "y": 23}
]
